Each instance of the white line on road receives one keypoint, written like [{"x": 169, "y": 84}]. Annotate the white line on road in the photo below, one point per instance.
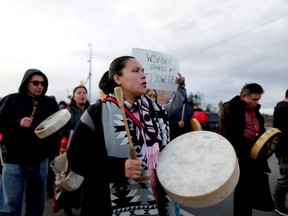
[{"x": 185, "y": 213}]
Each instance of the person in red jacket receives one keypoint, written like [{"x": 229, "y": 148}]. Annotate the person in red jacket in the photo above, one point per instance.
[{"x": 201, "y": 116}]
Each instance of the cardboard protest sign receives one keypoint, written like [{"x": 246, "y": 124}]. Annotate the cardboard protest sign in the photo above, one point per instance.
[{"x": 161, "y": 70}]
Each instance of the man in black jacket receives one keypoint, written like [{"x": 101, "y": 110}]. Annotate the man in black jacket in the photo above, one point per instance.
[
  {"x": 25, "y": 155},
  {"x": 242, "y": 124},
  {"x": 280, "y": 121}
]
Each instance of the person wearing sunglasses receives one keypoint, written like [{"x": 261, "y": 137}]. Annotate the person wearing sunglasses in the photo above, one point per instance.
[{"x": 26, "y": 157}]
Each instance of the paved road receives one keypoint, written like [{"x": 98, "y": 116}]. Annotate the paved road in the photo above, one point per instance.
[
  {"x": 225, "y": 208},
  {"x": 48, "y": 210},
  {"x": 221, "y": 209}
]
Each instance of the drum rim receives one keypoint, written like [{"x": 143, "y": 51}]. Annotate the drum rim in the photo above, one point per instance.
[
  {"x": 195, "y": 124},
  {"x": 261, "y": 141},
  {"x": 63, "y": 116}
]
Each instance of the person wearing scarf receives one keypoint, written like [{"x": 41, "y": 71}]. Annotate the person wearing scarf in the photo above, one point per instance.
[{"x": 114, "y": 183}]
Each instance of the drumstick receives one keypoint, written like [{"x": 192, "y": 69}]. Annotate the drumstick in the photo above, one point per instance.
[
  {"x": 119, "y": 96},
  {"x": 34, "y": 108},
  {"x": 183, "y": 112}
]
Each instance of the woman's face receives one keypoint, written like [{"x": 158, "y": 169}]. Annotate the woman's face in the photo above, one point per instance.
[
  {"x": 133, "y": 80},
  {"x": 152, "y": 94},
  {"x": 80, "y": 96}
]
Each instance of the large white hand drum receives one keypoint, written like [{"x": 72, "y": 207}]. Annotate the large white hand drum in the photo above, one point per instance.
[
  {"x": 53, "y": 123},
  {"x": 198, "y": 169}
]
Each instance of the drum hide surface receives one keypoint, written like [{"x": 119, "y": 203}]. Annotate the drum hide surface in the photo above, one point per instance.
[
  {"x": 198, "y": 169},
  {"x": 53, "y": 123}
]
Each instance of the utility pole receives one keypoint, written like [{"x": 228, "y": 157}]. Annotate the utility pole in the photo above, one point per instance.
[{"x": 90, "y": 71}]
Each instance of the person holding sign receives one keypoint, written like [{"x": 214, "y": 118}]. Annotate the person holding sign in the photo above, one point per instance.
[
  {"x": 176, "y": 102},
  {"x": 175, "y": 107},
  {"x": 124, "y": 165}
]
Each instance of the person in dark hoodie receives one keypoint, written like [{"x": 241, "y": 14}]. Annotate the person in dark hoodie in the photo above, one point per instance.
[
  {"x": 280, "y": 121},
  {"x": 26, "y": 157}
]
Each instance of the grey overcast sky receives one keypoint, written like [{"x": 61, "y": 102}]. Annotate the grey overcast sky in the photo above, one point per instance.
[{"x": 220, "y": 44}]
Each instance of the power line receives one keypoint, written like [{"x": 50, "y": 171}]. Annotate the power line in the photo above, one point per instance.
[{"x": 239, "y": 34}]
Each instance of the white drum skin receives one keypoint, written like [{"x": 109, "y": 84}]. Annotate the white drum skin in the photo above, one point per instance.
[
  {"x": 53, "y": 123},
  {"x": 198, "y": 169}
]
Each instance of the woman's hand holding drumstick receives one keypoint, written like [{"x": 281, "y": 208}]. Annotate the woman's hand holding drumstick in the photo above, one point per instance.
[{"x": 133, "y": 169}]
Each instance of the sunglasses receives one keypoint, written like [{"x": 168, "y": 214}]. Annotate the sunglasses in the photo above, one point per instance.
[{"x": 36, "y": 83}]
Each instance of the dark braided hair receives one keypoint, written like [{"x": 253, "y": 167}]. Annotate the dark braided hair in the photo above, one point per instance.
[{"x": 107, "y": 83}]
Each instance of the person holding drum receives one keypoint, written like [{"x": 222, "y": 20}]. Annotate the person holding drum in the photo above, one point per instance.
[
  {"x": 280, "y": 121},
  {"x": 241, "y": 124},
  {"x": 202, "y": 117},
  {"x": 79, "y": 103},
  {"x": 180, "y": 120},
  {"x": 25, "y": 155},
  {"x": 120, "y": 170}
]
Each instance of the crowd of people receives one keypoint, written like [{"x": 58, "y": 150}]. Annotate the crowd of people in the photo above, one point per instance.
[{"x": 119, "y": 166}]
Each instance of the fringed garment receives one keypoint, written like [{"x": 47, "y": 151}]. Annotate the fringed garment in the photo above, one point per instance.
[{"x": 149, "y": 130}]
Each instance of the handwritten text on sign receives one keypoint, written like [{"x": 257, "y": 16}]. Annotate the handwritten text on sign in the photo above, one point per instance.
[{"x": 161, "y": 69}]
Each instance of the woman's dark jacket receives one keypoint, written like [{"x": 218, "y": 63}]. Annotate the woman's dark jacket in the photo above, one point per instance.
[
  {"x": 75, "y": 116},
  {"x": 93, "y": 162}
]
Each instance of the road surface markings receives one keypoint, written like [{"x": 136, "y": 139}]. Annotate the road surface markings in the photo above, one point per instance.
[{"x": 185, "y": 213}]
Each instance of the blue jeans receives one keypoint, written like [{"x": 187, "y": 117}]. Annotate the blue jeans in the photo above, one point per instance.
[
  {"x": 281, "y": 187},
  {"x": 19, "y": 178},
  {"x": 177, "y": 209},
  {"x": 1, "y": 195}
]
